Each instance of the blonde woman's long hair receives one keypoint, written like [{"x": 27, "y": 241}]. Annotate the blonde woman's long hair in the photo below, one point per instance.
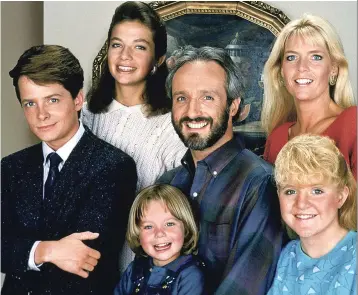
[{"x": 278, "y": 104}]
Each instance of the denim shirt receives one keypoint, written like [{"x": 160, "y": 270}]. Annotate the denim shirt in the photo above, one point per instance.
[
  {"x": 235, "y": 200},
  {"x": 183, "y": 276}
]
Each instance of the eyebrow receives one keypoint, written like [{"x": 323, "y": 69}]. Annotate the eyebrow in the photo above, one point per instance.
[
  {"x": 312, "y": 51},
  {"x": 179, "y": 92},
  {"x": 209, "y": 92},
  {"x": 201, "y": 92},
  {"x": 135, "y": 40},
  {"x": 46, "y": 97},
  {"x": 307, "y": 184}
]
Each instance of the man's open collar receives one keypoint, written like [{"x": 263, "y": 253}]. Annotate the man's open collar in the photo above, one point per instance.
[{"x": 218, "y": 159}]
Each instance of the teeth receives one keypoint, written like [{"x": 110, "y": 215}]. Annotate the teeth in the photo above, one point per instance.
[
  {"x": 305, "y": 216},
  {"x": 303, "y": 81},
  {"x": 197, "y": 125},
  {"x": 125, "y": 69},
  {"x": 162, "y": 245}
]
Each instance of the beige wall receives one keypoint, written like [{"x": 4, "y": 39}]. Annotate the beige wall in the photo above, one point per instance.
[
  {"x": 84, "y": 31},
  {"x": 21, "y": 28},
  {"x": 82, "y": 26}
]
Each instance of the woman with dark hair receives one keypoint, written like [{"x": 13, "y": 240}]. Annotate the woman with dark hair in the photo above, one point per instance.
[{"x": 128, "y": 107}]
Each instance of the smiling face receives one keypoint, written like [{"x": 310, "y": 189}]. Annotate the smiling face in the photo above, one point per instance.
[
  {"x": 312, "y": 210},
  {"x": 200, "y": 114},
  {"x": 131, "y": 53},
  {"x": 161, "y": 234},
  {"x": 50, "y": 111},
  {"x": 306, "y": 69}
]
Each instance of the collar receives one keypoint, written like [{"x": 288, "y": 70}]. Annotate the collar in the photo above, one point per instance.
[
  {"x": 64, "y": 151},
  {"x": 115, "y": 106},
  {"x": 218, "y": 159},
  {"x": 174, "y": 265}
]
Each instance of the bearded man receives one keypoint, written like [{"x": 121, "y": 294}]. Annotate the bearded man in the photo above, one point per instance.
[{"x": 231, "y": 189}]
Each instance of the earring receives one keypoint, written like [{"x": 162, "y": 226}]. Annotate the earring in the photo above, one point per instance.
[
  {"x": 281, "y": 82},
  {"x": 153, "y": 71},
  {"x": 332, "y": 80}
]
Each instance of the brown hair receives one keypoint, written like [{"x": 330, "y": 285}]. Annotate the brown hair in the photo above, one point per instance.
[{"x": 45, "y": 64}]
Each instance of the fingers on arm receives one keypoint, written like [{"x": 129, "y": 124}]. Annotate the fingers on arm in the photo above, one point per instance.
[
  {"x": 87, "y": 235},
  {"x": 82, "y": 273},
  {"x": 94, "y": 253},
  {"x": 91, "y": 258},
  {"x": 73, "y": 256},
  {"x": 91, "y": 261},
  {"x": 88, "y": 267},
  {"x": 82, "y": 268}
]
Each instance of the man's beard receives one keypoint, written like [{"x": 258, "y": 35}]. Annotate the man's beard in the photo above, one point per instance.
[{"x": 194, "y": 141}]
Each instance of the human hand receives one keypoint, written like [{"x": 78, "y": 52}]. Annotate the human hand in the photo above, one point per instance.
[{"x": 70, "y": 253}]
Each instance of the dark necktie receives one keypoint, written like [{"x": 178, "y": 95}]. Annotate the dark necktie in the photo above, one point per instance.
[{"x": 53, "y": 173}]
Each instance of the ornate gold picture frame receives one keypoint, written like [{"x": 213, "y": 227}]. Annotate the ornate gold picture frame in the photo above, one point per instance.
[{"x": 256, "y": 12}]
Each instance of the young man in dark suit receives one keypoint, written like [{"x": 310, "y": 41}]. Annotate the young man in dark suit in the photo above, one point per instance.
[{"x": 64, "y": 201}]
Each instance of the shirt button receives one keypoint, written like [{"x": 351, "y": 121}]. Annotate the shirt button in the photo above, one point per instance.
[
  {"x": 195, "y": 194},
  {"x": 215, "y": 173}
]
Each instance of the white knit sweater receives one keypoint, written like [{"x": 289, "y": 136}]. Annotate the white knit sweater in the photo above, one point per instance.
[{"x": 152, "y": 142}]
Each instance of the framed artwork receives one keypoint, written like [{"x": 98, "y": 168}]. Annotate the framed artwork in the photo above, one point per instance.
[{"x": 247, "y": 30}]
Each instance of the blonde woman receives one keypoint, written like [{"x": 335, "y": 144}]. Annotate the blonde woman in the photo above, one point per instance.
[
  {"x": 317, "y": 194},
  {"x": 307, "y": 89},
  {"x": 163, "y": 234}
]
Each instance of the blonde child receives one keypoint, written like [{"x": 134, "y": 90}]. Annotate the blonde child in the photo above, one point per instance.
[
  {"x": 163, "y": 234},
  {"x": 317, "y": 194}
]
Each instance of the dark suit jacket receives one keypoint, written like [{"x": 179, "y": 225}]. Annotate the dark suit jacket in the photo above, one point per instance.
[{"x": 94, "y": 192}]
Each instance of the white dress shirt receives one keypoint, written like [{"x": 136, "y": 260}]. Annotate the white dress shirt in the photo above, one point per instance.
[{"x": 64, "y": 152}]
